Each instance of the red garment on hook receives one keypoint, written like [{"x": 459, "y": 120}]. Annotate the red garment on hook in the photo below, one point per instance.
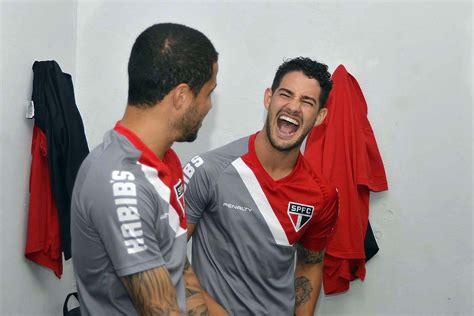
[
  {"x": 43, "y": 243},
  {"x": 344, "y": 150}
]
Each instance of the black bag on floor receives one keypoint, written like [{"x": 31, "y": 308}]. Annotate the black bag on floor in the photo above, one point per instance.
[{"x": 73, "y": 312}]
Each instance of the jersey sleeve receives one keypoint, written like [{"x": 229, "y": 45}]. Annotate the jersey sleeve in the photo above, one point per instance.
[
  {"x": 126, "y": 225},
  {"x": 316, "y": 237},
  {"x": 198, "y": 184}
]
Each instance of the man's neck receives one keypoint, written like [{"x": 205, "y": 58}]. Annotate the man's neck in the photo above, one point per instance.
[
  {"x": 152, "y": 131},
  {"x": 277, "y": 163}
]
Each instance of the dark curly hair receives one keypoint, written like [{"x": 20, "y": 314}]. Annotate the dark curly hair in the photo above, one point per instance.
[
  {"x": 165, "y": 55},
  {"x": 312, "y": 69}
]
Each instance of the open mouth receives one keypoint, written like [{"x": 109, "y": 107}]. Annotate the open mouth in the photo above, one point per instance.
[{"x": 287, "y": 125}]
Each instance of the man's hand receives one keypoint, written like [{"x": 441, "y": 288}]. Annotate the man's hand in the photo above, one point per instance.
[
  {"x": 308, "y": 277},
  {"x": 198, "y": 301},
  {"x": 152, "y": 292},
  {"x": 195, "y": 300}
]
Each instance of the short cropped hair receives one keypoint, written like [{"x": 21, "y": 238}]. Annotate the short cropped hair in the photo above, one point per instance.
[
  {"x": 312, "y": 69},
  {"x": 164, "y": 56}
]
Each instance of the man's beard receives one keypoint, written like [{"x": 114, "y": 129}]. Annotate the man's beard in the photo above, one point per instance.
[
  {"x": 189, "y": 138},
  {"x": 287, "y": 147},
  {"x": 189, "y": 125}
]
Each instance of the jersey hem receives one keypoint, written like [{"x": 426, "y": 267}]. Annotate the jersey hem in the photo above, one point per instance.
[{"x": 140, "y": 267}]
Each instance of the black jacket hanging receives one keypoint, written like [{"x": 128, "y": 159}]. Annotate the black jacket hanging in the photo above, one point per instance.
[{"x": 57, "y": 115}]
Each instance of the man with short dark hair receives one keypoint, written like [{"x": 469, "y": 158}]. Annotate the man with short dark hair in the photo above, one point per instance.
[
  {"x": 128, "y": 221},
  {"x": 255, "y": 202}
]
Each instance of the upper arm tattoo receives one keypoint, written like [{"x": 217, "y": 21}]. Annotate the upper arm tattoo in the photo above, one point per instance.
[
  {"x": 307, "y": 256},
  {"x": 152, "y": 292}
]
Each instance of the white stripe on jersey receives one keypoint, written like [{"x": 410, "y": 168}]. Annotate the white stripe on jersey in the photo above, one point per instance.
[
  {"x": 174, "y": 222},
  {"x": 151, "y": 175},
  {"x": 164, "y": 192},
  {"x": 255, "y": 190}
]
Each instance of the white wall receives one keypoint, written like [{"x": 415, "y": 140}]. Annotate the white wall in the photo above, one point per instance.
[
  {"x": 30, "y": 30},
  {"x": 413, "y": 61}
]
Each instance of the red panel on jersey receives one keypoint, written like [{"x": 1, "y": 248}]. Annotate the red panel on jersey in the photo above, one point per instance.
[
  {"x": 344, "y": 150},
  {"x": 298, "y": 190},
  {"x": 43, "y": 243}
]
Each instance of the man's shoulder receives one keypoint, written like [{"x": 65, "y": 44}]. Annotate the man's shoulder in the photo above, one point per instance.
[
  {"x": 214, "y": 161},
  {"x": 112, "y": 155},
  {"x": 320, "y": 181},
  {"x": 229, "y": 151}
]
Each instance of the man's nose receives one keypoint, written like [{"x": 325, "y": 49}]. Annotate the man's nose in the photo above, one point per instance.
[{"x": 294, "y": 106}]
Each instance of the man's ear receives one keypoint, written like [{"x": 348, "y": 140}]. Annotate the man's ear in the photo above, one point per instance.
[
  {"x": 321, "y": 116},
  {"x": 182, "y": 95},
  {"x": 267, "y": 97}
]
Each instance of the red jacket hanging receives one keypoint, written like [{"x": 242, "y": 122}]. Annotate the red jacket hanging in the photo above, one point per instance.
[
  {"x": 43, "y": 242},
  {"x": 344, "y": 150}
]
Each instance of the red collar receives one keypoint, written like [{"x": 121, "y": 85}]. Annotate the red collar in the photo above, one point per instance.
[
  {"x": 252, "y": 154},
  {"x": 148, "y": 156}
]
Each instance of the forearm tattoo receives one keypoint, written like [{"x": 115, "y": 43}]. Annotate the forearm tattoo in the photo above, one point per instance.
[
  {"x": 152, "y": 292},
  {"x": 307, "y": 256},
  {"x": 303, "y": 290}
]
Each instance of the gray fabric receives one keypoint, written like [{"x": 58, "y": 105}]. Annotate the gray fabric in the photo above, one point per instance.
[
  {"x": 233, "y": 254},
  {"x": 102, "y": 252}
]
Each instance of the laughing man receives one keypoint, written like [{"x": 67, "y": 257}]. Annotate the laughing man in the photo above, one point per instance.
[{"x": 254, "y": 203}]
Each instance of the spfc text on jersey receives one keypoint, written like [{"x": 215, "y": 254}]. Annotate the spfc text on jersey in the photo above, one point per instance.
[{"x": 300, "y": 214}]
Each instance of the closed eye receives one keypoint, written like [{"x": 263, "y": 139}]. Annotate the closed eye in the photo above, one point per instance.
[
  {"x": 309, "y": 100},
  {"x": 285, "y": 93}
]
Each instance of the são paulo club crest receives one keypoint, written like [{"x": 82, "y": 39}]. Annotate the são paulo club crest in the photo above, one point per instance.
[
  {"x": 179, "y": 190},
  {"x": 300, "y": 214}
]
